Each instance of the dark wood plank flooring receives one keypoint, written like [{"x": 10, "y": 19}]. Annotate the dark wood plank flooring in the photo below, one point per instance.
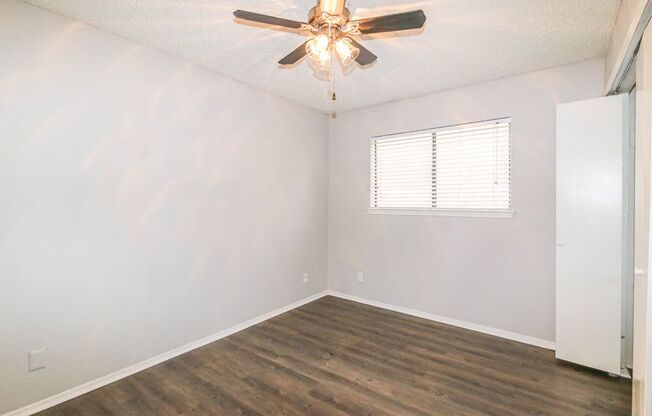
[{"x": 336, "y": 357}]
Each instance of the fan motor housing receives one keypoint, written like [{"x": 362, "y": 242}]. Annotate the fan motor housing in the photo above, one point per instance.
[{"x": 319, "y": 18}]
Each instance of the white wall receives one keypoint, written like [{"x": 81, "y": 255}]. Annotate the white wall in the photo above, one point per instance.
[
  {"x": 494, "y": 272},
  {"x": 145, "y": 203}
]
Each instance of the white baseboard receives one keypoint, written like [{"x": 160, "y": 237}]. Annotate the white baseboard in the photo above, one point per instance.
[
  {"x": 125, "y": 372},
  {"x": 513, "y": 336}
]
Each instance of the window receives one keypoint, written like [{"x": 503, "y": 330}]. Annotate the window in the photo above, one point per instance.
[{"x": 457, "y": 170}]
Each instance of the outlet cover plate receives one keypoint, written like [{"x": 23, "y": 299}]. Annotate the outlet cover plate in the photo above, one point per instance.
[{"x": 36, "y": 359}]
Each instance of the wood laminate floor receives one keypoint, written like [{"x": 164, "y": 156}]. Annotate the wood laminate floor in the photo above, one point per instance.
[{"x": 336, "y": 357}]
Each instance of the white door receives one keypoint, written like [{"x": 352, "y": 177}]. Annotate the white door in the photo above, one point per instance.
[
  {"x": 642, "y": 376},
  {"x": 590, "y": 140}
]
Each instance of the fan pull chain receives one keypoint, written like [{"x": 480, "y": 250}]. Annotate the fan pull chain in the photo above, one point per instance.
[
  {"x": 331, "y": 80},
  {"x": 331, "y": 74}
]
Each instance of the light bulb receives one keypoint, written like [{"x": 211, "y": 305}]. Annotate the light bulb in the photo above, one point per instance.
[
  {"x": 318, "y": 48},
  {"x": 324, "y": 56},
  {"x": 346, "y": 51}
]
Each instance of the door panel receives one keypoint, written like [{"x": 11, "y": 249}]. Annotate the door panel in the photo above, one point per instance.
[
  {"x": 642, "y": 388},
  {"x": 590, "y": 231}
]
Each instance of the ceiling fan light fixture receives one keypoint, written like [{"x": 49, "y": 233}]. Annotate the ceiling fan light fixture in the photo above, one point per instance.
[
  {"x": 334, "y": 30},
  {"x": 318, "y": 48},
  {"x": 346, "y": 51}
]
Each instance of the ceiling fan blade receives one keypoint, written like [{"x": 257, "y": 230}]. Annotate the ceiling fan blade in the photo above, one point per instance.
[
  {"x": 332, "y": 7},
  {"x": 365, "y": 57},
  {"x": 265, "y": 19},
  {"x": 393, "y": 22},
  {"x": 294, "y": 56}
]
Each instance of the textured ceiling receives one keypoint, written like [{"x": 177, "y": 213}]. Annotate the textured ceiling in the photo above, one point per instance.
[{"x": 463, "y": 42}]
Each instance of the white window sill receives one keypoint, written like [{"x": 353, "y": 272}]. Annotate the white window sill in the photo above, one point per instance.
[{"x": 443, "y": 212}]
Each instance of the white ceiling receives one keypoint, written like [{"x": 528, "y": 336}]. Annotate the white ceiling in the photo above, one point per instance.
[{"x": 464, "y": 42}]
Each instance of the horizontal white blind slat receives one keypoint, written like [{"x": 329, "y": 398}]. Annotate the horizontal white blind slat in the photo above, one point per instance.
[{"x": 456, "y": 167}]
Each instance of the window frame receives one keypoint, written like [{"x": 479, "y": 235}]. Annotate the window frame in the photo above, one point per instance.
[{"x": 444, "y": 212}]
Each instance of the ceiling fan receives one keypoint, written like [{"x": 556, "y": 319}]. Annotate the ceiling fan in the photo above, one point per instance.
[{"x": 331, "y": 29}]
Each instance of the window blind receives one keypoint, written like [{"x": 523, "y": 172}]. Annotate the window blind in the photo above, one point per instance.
[{"x": 463, "y": 167}]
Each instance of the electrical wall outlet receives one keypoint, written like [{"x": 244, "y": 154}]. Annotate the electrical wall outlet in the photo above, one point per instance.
[
  {"x": 306, "y": 278},
  {"x": 36, "y": 359},
  {"x": 360, "y": 277}
]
